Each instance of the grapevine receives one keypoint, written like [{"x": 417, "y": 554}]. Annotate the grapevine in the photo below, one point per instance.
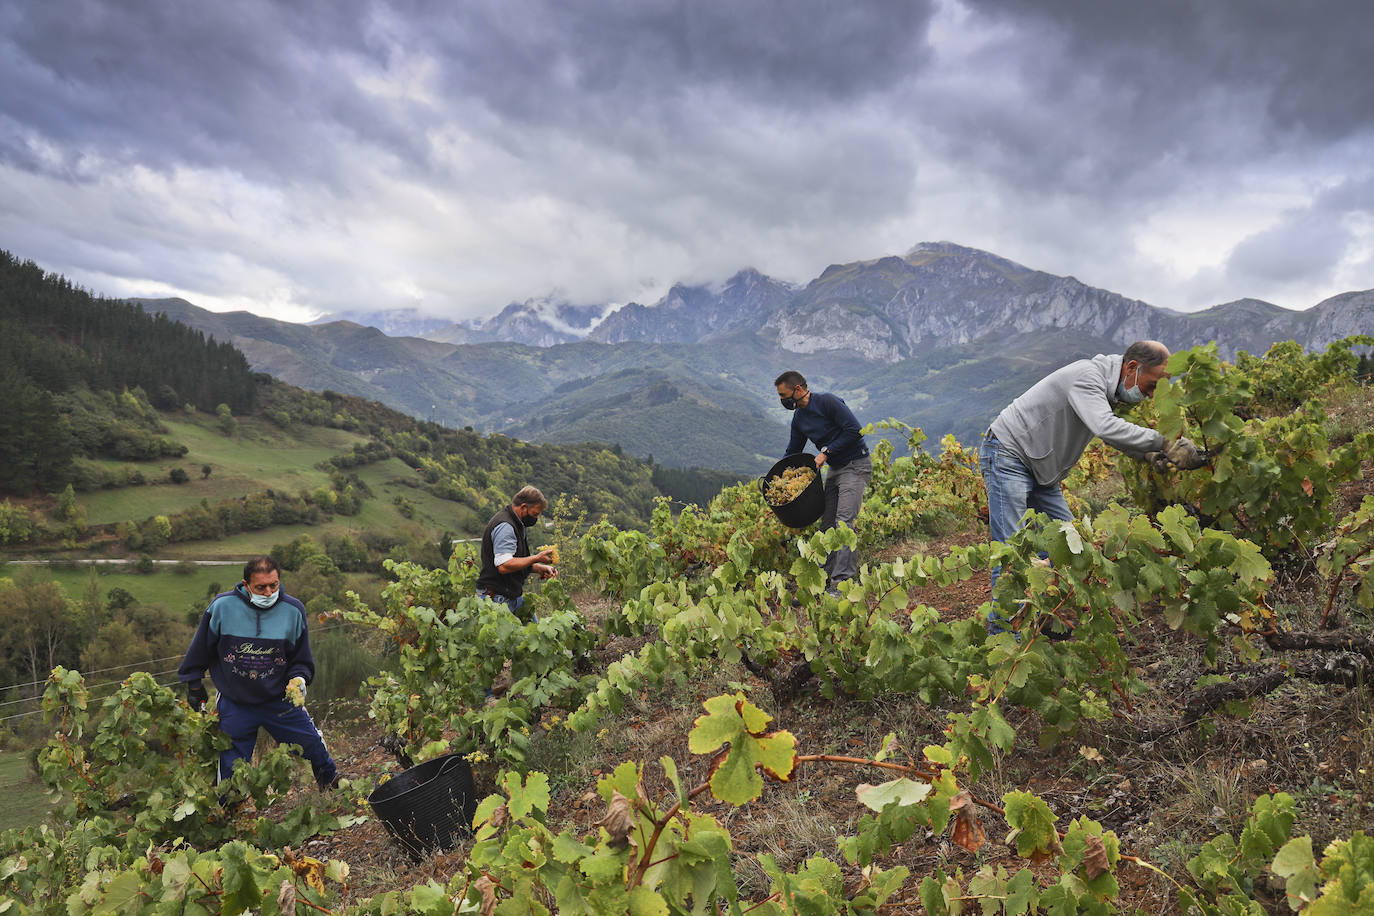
[{"x": 726, "y": 583}]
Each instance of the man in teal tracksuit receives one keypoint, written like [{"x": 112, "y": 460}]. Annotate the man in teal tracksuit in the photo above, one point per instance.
[{"x": 255, "y": 643}]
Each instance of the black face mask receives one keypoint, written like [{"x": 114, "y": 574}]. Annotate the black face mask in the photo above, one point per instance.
[{"x": 789, "y": 403}]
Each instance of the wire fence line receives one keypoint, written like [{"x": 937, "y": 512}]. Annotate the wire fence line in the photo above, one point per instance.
[{"x": 93, "y": 688}]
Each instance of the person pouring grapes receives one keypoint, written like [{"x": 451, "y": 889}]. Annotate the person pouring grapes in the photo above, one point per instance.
[
  {"x": 255, "y": 644},
  {"x": 828, "y": 422}
]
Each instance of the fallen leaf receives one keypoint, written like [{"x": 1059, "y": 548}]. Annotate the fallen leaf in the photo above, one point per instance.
[{"x": 1090, "y": 754}]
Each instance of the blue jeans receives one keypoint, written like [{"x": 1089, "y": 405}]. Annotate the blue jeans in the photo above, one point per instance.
[
  {"x": 512, "y": 604},
  {"x": 286, "y": 722},
  {"x": 1011, "y": 491}
]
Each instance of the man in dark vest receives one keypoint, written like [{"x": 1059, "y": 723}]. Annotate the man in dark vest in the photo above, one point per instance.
[{"x": 506, "y": 559}]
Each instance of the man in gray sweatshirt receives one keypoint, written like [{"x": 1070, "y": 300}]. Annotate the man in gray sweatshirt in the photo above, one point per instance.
[{"x": 1036, "y": 440}]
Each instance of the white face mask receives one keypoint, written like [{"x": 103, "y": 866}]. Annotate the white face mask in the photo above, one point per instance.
[
  {"x": 264, "y": 601},
  {"x": 1133, "y": 394}
]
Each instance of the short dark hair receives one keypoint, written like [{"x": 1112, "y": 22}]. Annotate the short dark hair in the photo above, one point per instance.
[
  {"x": 528, "y": 496},
  {"x": 1148, "y": 353},
  {"x": 259, "y": 565},
  {"x": 790, "y": 377}
]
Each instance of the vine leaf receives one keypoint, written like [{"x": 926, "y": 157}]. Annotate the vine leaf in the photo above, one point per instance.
[
  {"x": 735, "y": 720},
  {"x": 1295, "y": 863},
  {"x": 901, "y": 791},
  {"x": 647, "y": 902},
  {"x": 1032, "y": 824},
  {"x": 967, "y": 833},
  {"x": 532, "y": 796},
  {"x": 1096, "y": 861}
]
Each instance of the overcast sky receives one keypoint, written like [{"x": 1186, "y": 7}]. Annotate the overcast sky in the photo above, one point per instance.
[{"x": 300, "y": 157}]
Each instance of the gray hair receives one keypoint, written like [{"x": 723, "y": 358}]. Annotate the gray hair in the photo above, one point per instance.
[{"x": 1147, "y": 353}]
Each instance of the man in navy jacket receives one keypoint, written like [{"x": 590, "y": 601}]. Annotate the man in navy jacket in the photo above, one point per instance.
[
  {"x": 828, "y": 422},
  {"x": 255, "y": 644}
]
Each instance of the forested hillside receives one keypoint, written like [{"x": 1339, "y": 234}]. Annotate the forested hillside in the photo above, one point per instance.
[
  {"x": 129, "y": 432},
  {"x": 65, "y": 353}
]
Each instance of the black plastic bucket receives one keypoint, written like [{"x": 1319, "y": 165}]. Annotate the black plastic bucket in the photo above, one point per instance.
[
  {"x": 428, "y": 806},
  {"x": 806, "y": 506}
]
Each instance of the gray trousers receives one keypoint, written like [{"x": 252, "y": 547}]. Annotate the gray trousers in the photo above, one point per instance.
[{"x": 844, "y": 495}]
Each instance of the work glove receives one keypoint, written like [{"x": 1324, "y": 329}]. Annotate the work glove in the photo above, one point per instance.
[
  {"x": 1181, "y": 454},
  {"x": 196, "y": 695},
  {"x": 295, "y": 690},
  {"x": 1185, "y": 456}
]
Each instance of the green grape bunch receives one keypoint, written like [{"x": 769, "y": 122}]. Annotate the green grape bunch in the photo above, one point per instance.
[{"x": 788, "y": 485}]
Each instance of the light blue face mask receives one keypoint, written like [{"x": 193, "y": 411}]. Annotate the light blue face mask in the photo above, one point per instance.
[
  {"x": 264, "y": 601},
  {"x": 1133, "y": 394}
]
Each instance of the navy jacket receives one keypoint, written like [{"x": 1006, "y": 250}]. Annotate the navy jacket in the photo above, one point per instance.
[
  {"x": 827, "y": 421},
  {"x": 250, "y": 654}
]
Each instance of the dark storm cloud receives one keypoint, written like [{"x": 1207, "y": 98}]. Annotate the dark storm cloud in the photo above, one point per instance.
[
  {"x": 253, "y": 85},
  {"x": 261, "y": 85},
  {"x": 1310, "y": 64},
  {"x": 531, "y": 58},
  {"x": 460, "y": 155}
]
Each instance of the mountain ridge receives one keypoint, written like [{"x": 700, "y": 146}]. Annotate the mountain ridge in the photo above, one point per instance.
[{"x": 941, "y": 337}]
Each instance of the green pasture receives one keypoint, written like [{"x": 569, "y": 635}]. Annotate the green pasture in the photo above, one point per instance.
[
  {"x": 259, "y": 456},
  {"x": 166, "y": 585},
  {"x": 176, "y": 590},
  {"x": 431, "y": 512},
  {"x": 22, "y": 802},
  {"x": 246, "y": 544}
]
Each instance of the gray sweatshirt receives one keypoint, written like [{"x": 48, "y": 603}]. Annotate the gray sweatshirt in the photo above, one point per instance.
[{"x": 1050, "y": 425}]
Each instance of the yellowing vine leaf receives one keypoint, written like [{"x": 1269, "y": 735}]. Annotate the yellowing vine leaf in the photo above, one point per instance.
[{"x": 735, "y": 720}]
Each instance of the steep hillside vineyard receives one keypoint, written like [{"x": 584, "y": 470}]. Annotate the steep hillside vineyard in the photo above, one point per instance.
[{"x": 142, "y": 830}]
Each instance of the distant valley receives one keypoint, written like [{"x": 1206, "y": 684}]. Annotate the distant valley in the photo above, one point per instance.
[{"x": 941, "y": 338}]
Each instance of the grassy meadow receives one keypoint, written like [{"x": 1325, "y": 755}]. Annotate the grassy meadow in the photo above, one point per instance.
[
  {"x": 258, "y": 456},
  {"x": 175, "y": 587},
  {"x": 22, "y": 800}
]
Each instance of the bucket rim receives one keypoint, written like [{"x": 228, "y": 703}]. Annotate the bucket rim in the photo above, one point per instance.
[{"x": 444, "y": 763}]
